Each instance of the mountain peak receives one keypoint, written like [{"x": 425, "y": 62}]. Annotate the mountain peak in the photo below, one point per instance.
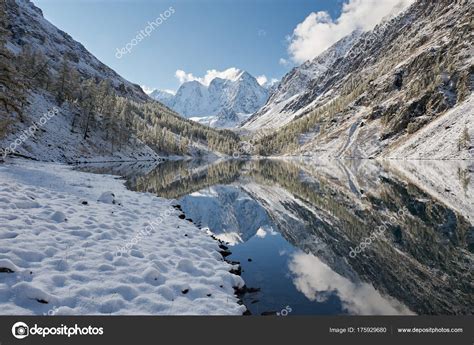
[{"x": 228, "y": 98}]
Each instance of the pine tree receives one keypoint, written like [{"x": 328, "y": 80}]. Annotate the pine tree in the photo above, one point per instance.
[
  {"x": 74, "y": 85},
  {"x": 27, "y": 61},
  {"x": 464, "y": 140},
  {"x": 12, "y": 90},
  {"x": 103, "y": 91},
  {"x": 42, "y": 74},
  {"x": 108, "y": 104},
  {"x": 88, "y": 104},
  {"x": 62, "y": 87},
  {"x": 124, "y": 116},
  {"x": 34, "y": 68}
]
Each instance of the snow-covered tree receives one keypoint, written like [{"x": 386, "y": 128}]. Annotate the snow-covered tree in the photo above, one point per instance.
[{"x": 12, "y": 90}]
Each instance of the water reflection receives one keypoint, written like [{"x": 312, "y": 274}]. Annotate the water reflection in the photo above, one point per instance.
[
  {"x": 293, "y": 224},
  {"x": 229, "y": 212},
  {"x": 317, "y": 281}
]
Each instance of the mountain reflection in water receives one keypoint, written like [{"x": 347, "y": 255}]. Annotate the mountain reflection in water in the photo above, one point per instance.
[{"x": 292, "y": 226}]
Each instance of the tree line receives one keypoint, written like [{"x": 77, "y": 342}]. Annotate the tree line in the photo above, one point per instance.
[{"x": 97, "y": 105}]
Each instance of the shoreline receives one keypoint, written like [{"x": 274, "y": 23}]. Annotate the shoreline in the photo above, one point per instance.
[{"x": 74, "y": 221}]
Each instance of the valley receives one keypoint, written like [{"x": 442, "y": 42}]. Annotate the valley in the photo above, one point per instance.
[{"x": 343, "y": 188}]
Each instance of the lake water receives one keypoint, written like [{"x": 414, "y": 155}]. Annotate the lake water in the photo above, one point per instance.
[{"x": 333, "y": 237}]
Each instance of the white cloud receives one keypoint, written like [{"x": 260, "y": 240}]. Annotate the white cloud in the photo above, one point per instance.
[
  {"x": 183, "y": 77},
  {"x": 283, "y": 62},
  {"x": 230, "y": 73},
  {"x": 265, "y": 82},
  {"x": 319, "y": 31},
  {"x": 262, "y": 80},
  {"x": 317, "y": 281},
  {"x": 147, "y": 89},
  {"x": 171, "y": 92}
]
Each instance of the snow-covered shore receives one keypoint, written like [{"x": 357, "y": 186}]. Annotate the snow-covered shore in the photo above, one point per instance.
[{"x": 80, "y": 243}]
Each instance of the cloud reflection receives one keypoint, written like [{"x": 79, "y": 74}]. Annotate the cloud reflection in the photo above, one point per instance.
[{"x": 317, "y": 281}]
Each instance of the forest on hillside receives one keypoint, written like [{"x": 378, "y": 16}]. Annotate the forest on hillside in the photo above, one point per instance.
[{"x": 97, "y": 103}]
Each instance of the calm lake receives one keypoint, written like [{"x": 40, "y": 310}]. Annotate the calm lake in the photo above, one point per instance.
[{"x": 331, "y": 237}]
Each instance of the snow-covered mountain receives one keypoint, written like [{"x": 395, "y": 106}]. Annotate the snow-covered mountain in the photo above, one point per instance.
[
  {"x": 229, "y": 213},
  {"x": 401, "y": 90},
  {"x": 222, "y": 103},
  {"x": 92, "y": 103},
  {"x": 163, "y": 96},
  {"x": 298, "y": 81},
  {"x": 28, "y": 27}
]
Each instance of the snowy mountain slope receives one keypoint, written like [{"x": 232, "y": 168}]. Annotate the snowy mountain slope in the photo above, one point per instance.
[
  {"x": 440, "y": 138},
  {"x": 298, "y": 81},
  {"x": 394, "y": 81},
  {"x": 100, "y": 115},
  {"x": 56, "y": 142},
  {"x": 193, "y": 98},
  {"x": 162, "y": 96},
  {"x": 222, "y": 103},
  {"x": 29, "y": 28}
]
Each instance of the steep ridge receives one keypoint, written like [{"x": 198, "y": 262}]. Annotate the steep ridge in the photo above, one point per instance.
[
  {"x": 392, "y": 82},
  {"x": 63, "y": 104},
  {"x": 297, "y": 82},
  {"x": 29, "y": 28}
]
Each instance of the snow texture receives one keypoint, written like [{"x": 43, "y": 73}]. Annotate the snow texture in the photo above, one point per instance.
[
  {"x": 440, "y": 138},
  {"x": 128, "y": 253}
]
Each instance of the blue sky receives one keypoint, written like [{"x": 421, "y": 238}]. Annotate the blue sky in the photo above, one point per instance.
[
  {"x": 201, "y": 35},
  {"x": 212, "y": 35}
]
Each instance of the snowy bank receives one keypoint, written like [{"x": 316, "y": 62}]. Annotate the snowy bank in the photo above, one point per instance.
[
  {"x": 80, "y": 243},
  {"x": 440, "y": 138},
  {"x": 56, "y": 141}
]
